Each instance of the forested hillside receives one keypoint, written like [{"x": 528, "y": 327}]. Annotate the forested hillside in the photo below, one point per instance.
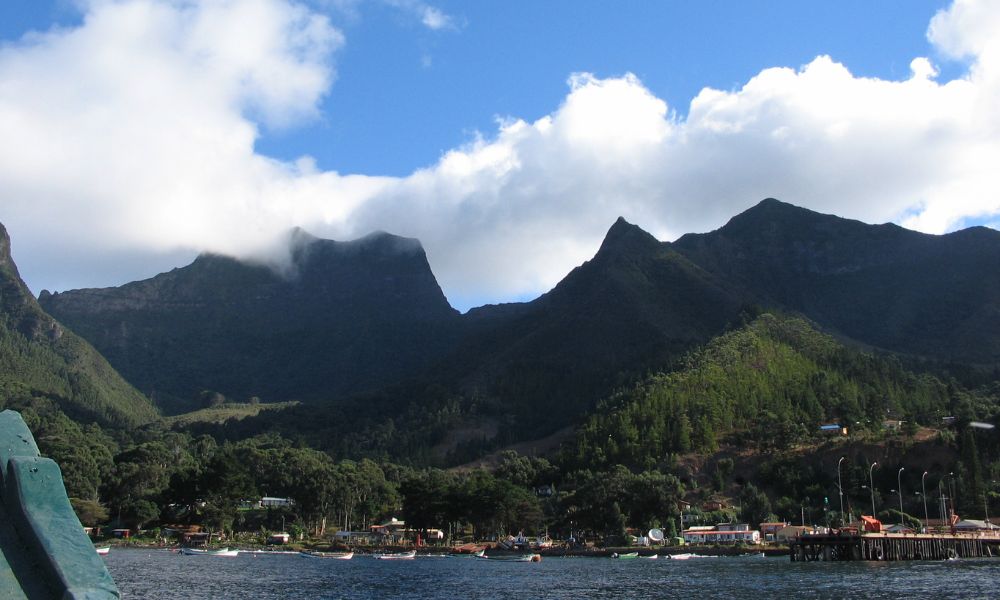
[
  {"x": 41, "y": 359},
  {"x": 769, "y": 384}
]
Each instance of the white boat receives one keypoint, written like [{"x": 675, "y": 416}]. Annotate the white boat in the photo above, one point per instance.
[
  {"x": 679, "y": 556},
  {"x": 650, "y": 557},
  {"x": 333, "y": 555},
  {"x": 396, "y": 555},
  {"x": 515, "y": 557},
  {"x": 103, "y": 551},
  {"x": 203, "y": 552}
]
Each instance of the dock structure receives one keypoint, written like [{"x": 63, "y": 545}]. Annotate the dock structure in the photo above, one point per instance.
[{"x": 893, "y": 546}]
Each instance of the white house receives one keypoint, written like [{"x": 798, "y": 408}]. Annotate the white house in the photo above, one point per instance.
[{"x": 724, "y": 533}]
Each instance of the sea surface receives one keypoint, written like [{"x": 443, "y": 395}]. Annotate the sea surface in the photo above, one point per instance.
[{"x": 162, "y": 574}]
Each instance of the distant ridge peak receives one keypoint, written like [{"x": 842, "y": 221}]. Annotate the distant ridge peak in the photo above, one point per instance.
[
  {"x": 390, "y": 243},
  {"x": 300, "y": 237},
  {"x": 771, "y": 213},
  {"x": 774, "y": 206},
  {"x": 624, "y": 236},
  {"x": 5, "y": 258}
]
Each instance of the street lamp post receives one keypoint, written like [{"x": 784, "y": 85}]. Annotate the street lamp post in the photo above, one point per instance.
[
  {"x": 923, "y": 489},
  {"x": 840, "y": 488},
  {"x": 899, "y": 484},
  {"x": 871, "y": 485},
  {"x": 986, "y": 505},
  {"x": 951, "y": 492}
]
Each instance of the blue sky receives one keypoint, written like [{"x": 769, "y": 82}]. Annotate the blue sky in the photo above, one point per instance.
[
  {"x": 405, "y": 94},
  {"x": 507, "y": 136}
]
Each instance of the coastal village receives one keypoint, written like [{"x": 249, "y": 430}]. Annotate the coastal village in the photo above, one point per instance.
[{"x": 778, "y": 538}]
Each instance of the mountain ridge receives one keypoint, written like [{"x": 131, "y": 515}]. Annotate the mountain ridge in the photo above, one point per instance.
[
  {"x": 636, "y": 305},
  {"x": 882, "y": 285},
  {"x": 229, "y": 326},
  {"x": 40, "y": 358}
]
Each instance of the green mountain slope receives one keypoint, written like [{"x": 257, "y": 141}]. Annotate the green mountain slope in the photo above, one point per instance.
[
  {"x": 772, "y": 382},
  {"x": 39, "y": 358},
  {"x": 636, "y": 305}
]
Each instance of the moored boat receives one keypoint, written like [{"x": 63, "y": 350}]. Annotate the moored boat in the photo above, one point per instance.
[
  {"x": 104, "y": 550},
  {"x": 514, "y": 557},
  {"x": 396, "y": 555},
  {"x": 204, "y": 552},
  {"x": 333, "y": 555},
  {"x": 625, "y": 555}
]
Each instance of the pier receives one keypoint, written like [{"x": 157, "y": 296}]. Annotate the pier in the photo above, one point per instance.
[{"x": 893, "y": 546}]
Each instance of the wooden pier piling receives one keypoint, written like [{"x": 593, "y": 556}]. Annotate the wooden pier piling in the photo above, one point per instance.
[{"x": 889, "y": 546}]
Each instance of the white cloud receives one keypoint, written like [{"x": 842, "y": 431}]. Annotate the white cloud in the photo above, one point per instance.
[
  {"x": 133, "y": 135},
  {"x": 136, "y": 130},
  {"x": 431, "y": 17}
]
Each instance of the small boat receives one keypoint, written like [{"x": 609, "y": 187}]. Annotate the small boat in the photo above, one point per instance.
[
  {"x": 333, "y": 555},
  {"x": 651, "y": 557},
  {"x": 203, "y": 552},
  {"x": 103, "y": 551},
  {"x": 396, "y": 555},
  {"x": 679, "y": 556},
  {"x": 625, "y": 555},
  {"x": 515, "y": 557}
]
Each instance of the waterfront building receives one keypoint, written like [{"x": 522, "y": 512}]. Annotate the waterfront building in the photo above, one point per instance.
[{"x": 723, "y": 533}]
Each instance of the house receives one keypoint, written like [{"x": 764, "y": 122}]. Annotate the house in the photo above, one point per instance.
[
  {"x": 713, "y": 505},
  {"x": 833, "y": 429},
  {"x": 893, "y": 424},
  {"x": 724, "y": 533},
  {"x": 270, "y": 502},
  {"x": 278, "y": 538},
  {"x": 768, "y": 530},
  {"x": 363, "y": 538},
  {"x": 545, "y": 491},
  {"x": 899, "y": 528},
  {"x": 392, "y": 531},
  {"x": 790, "y": 532}
]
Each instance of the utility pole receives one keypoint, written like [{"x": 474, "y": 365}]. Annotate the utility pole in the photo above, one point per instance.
[
  {"x": 923, "y": 489},
  {"x": 840, "y": 488},
  {"x": 871, "y": 485},
  {"x": 899, "y": 485}
]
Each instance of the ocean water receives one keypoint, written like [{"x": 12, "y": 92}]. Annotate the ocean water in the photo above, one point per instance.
[{"x": 161, "y": 574}]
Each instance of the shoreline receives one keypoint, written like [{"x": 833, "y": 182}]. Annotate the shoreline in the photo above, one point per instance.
[{"x": 468, "y": 549}]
